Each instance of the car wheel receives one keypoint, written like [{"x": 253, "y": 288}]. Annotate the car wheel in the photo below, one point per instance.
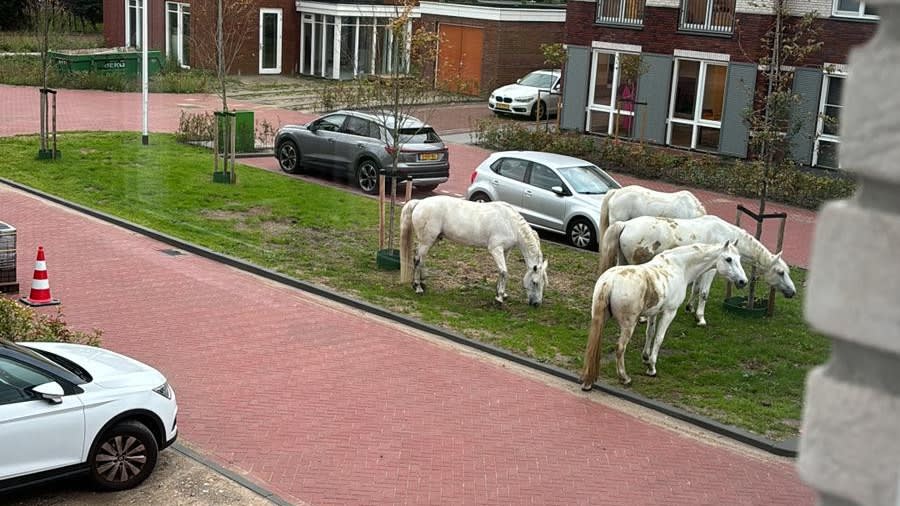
[
  {"x": 289, "y": 157},
  {"x": 367, "y": 177},
  {"x": 581, "y": 234},
  {"x": 123, "y": 456},
  {"x": 539, "y": 110},
  {"x": 479, "y": 197}
]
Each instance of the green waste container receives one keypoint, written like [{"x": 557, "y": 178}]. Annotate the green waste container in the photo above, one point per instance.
[
  {"x": 127, "y": 62},
  {"x": 245, "y": 135}
]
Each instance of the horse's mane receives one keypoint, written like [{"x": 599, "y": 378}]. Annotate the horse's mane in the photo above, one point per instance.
[
  {"x": 749, "y": 243},
  {"x": 528, "y": 236}
]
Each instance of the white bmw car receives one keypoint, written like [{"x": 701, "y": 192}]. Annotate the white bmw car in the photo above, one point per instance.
[
  {"x": 534, "y": 95},
  {"x": 68, "y": 409}
]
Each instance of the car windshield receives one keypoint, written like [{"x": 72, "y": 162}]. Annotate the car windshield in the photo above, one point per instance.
[
  {"x": 586, "y": 179},
  {"x": 48, "y": 358},
  {"x": 424, "y": 135},
  {"x": 538, "y": 80}
]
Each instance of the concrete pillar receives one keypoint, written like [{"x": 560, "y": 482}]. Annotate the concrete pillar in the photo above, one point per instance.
[{"x": 850, "y": 444}]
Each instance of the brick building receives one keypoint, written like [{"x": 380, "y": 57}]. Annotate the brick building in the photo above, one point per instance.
[
  {"x": 483, "y": 42},
  {"x": 697, "y": 73}
]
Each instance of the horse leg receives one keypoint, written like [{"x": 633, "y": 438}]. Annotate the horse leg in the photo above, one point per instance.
[
  {"x": 664, "y": 319},
  {"x": 626, "y": 328},
  {"x": 692, "y": 293},
  {"x": 419, "y": 262},
  {"x": 648, "y": 340},
  {"x": 704, "y": 282},
  {"x": 500, "y": 257}
]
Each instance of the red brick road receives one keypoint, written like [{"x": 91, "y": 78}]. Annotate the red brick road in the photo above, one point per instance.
[{"x": 322, "y": 404}]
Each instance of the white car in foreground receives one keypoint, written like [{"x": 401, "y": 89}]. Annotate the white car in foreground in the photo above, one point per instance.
[
  {"x": 69, "y": 409},
  {"x": 534, "y": 95}
]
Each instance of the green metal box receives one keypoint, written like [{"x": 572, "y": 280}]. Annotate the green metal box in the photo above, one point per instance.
[{"x": 124, "y": 61}]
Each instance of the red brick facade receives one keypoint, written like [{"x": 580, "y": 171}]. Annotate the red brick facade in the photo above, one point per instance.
[
  {"x": 511, "y": 48},
  {"x": 660, "y": 34}
]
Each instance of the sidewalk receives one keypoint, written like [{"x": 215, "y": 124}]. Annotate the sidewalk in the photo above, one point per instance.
[{"x": 326, "y": 405}]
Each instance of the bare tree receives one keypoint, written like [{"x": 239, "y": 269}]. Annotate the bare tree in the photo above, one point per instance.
[
  {"x": 46, "y": 18},
  {"x": 219, "y": 31}
]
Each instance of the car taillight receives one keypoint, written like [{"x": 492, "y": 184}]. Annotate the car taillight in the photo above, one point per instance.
[{"x": 472, "y": 177}]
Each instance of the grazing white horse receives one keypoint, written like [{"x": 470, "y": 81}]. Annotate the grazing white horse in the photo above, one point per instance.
[
  {"x": 629, "y": 202},
  {"x": 494, "y": 225},
  {"x": 637, "y": 241},
  {"x": 655, "y": 290}
]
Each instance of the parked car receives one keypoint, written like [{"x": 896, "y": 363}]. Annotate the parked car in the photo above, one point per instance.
[
  {"x": 358, "y": 145},
  {"x": 553, "y": 192},
  {"x": 534, "y": 95},
  {"x": 68, "y": 409}
]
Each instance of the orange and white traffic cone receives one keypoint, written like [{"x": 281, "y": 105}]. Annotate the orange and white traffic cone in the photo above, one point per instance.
[{"x": 40, "y": 285}]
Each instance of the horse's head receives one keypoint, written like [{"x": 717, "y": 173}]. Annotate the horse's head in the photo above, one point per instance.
[
  {"x": 729, "y": 264},
  {"x": 778, "y": 276},
  {"x": 534, "y": 282}
]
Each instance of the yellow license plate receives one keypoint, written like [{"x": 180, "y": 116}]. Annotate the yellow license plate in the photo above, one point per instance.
[
  {"x": 428, "y": 156},
  {"x": 501, "y": 105}
]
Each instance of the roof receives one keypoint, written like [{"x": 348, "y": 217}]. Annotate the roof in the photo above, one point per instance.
[{"x": 549, "y": 159}]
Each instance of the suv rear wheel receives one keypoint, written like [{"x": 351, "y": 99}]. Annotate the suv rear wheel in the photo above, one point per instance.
[{"x": 123, "y": 456}]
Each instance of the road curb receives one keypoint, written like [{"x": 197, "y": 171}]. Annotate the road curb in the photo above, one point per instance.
[
  {"x": 784, "y": 448},
  {"x": 231, "y": 475}
]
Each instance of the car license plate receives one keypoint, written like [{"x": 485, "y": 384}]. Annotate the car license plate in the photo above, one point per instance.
[
  {"x": 428, "y": 156},
  {"x": 501, "y": 105}
]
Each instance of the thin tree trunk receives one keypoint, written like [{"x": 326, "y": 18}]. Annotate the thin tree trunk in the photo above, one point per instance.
[{"x": 220, "y": 53}]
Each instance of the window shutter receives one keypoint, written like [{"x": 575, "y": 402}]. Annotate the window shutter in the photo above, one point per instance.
[
  {"x": 739, "y": 92},
  {"x": 575, "y": 88},
  {"x": 653, "y": 88},
  {"x": 808, "y": 85}
]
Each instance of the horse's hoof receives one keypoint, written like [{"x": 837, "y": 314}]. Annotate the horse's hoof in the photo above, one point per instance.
[
  {"x": 642, "y": 319},
  {"x": 420, "y": 289},
  {"x": 651, "y": 373},
  {"x": 498, "y": 300},
  {"x": 587, "y": 387},
  {"x": 625, "y": 381},
  {"x": 701, "y": 323}
]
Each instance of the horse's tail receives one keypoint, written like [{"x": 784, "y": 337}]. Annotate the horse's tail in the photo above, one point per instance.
[
  {"x": 604, "y": 214},
  {"x": 595, "y": 335},
  {"x": 609, "y": 246},
  {"x": 406, "y": 241}
]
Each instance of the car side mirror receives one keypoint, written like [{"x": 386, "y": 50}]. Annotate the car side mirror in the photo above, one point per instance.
[
  {"x": 313, "y": 127},
  {"x": 51, "y": 392},
  {"x": 518, "y": 81},
  {"x": 558, "y": 190}
]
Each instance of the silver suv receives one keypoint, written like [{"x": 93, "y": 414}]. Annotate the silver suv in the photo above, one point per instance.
[
  {"x": 358, "y": 145},
  {"x": 553, "y": 192}
]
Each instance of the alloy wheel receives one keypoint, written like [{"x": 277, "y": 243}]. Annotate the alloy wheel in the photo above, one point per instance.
[{"x": 121, "y": 458}]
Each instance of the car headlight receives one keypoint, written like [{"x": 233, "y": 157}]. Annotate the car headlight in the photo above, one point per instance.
[
  {"x": 164, "y": 390},
  {"x": 524, "y": 99}
]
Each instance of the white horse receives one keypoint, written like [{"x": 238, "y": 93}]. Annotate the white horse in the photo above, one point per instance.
[
  {"x": 629, "y": 202},
  {"x": 637, "y": 241},
  {"x": 655, "y": 290},
  {"x": 495, "y": 225}
]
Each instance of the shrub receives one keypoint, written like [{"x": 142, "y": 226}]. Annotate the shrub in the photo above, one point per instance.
[
  {"x": 195, "y": 127},
  {"x": 789, "y": 184},
  {"x": 20, "y": 323}
]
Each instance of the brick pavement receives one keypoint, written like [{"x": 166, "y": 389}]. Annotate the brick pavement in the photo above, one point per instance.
[{"x": 324, "y": 404}]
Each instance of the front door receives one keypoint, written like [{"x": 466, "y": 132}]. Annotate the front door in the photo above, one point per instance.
[{"x": 270, "y": 41}]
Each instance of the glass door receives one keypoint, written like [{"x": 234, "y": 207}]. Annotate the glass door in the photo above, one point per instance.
[{"x": 270, "y": 41}]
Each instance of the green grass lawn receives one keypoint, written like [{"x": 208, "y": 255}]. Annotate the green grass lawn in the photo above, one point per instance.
[{"x": 740, "y": 371}]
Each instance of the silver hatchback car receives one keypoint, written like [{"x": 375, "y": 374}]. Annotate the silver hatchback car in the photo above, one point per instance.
[
  {"x": 553, "y": 192},
  {"x": 358, "y": 145}
]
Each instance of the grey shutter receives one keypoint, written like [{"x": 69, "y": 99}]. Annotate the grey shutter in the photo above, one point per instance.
[
  {"x": 808, "y": 86},
  {"x": 653, "y": 88},
  {"x": 575, "y": 88},
  {"x": 739, "y": 91}
]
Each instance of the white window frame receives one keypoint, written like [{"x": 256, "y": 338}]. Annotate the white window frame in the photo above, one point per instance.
[
  {"x": 707, "y": 25},
  {"x": 609, "y": 109},
  {"x": 821, "y": 136},
  {"x": 278, "y": 44},
  {"x": 138, "y": 5},
  {"x": 179, "y": 9},
  {"x": 621, "y": 19},
  {"x": 697, "y": 121},
  {"x": 860, "y": 13}
]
